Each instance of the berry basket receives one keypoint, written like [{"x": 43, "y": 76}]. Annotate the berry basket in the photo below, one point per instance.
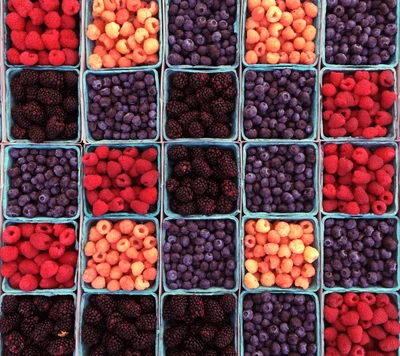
[
  {"x": 316, "y": 279},
  {"x": 167, "y": 172},
  {"x": 141, "y": 146},
  {"x": 236, "y": 29},
  {"x": 393, "y": 208},
  {"x": 315, "y": 200},
  {"x": 10, "y": 75},
  {"x": 392, "y": 129},
  {"x": 87, "y": 224},
  {"x": 89, "y": 45},
  {"x": 163, "y": 326},
  {"x": 313, "y": 109},
  {"x": 8, "y": 161},
  {"x": 235, "y": 115},
  {"x": 211, "y": 289},
  {"x": 316, "y": 22},
  {"x": 5, "y": 283},
  {"x": 86, "y": 88},
  {"x": 372, "y": 289}
]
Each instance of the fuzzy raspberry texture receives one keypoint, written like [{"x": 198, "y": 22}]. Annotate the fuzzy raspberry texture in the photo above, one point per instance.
[
  {"x": 42, "y": 256},
  {"x": 361, "y": 324},
  {"x": 358, "y": 180},
  {"x": 40, "y": 32},
  {"x": 358, "y": 105},
  {"x": 121, "y": 180}
]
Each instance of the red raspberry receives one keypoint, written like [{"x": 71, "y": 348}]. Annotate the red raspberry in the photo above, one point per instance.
[
  {"x": 344, "y": 193},
  {"x": 360, "y": 75},
  {"x": 131, "y": 152},
  {"x": 37, "y": 16},
  {"x": 42, "y": 258},
  {"x": 347, "y": 84},
  {"x": 27, "y": 250},
  {"x": 329, "y": 104},
  {"x": 352, "y": 208},
  {"x": 71, "y": 56},
  {"x": 330, "y": 333},
  {"x": 91, "y": 196},
  {"x": 28, "y": 282},
  {"x": 391, "y": 311},
  {"x": 363, "y": 87},
  {"x": 117, "y": 204},
  {"x": 386, "y": 78},
  {"x": 336, "y": 77},
  {"x": 343, "y": 343},
  {"x": 392, "y": 327},
  {"x": 106, "y": 182},
  {"x": 334, "y": 300},
  {"x": 331, "y": 164},
  {"x": 383, "y": 178},
  {"x": 139, "y": 207},
  {"x": 366, "y": 103},
  {"x": 56, "y": 57},
  {"x": 149, "y": 195},
  {"x": 49, "y": 269},
  {"x": 329, "y": 205},
  {"x": 64, "y": 273},
  {"x": 330, "y": 149},
  {"x": 123, "y": 180},
  {"x": 375, "y": 188},
  {"x": 69, "y": 258},
  {"x": 22, "y": 7},
  {"x": 386, "y": 198},
  {"x": 364, "y": 119},
  {"x": 34, "y": 41},
  {"x": 18, "y": 39},
  {"x": 329, "y": 191},
  {"x": 48, "y": 283},
  {"x": 68, "y": 39},
  {"x": 350, "y": 318},
  {"x": 344, "y": 99},
  {"x": 382, "y": 300},
  {"x": 369, "y": 298},
  {"x": 100, "y": 208},
  {"x": 68, "y": 22},
  {"x": 351, "y": 299},
  {"x": 386, "y": 153},
  {"x": 370, "y": 132},
  {"x": 70, "y": 7},
  {"x": 344, "y": 166},
  {"x": 375, "y": 162},
  {"x": 90, "y": 159},
  {"x": 101, "y": 167},
  {"x": 379, "y": 207},
  {"x": 143, "y": 166},
  {"x": 56, "y": 250},
  {"x": 113, "y": 169},
  {"x": 8, "y": 253},
  {"x": 15, "y": 22},
  {"x": 339, "y": 326},
  {"x": 8, "y": 269},
  {"x": 13, "y": 56},
  {"x": 52, "y": 20},
  {"x": 351, "y": 125},
  {"x": 150, "y": 154},
  {"x": 126, "y": 162},
  {"x": 11, "y": 234},
  {"x": 336, "y": 121},
  {"x": 387, "y": 99},
  {"x": 102, "y": 152},
  {"x": 355, "y": 333},
  {"x": 328, "y": 90},
  {"x": 106, "y": 195},
  {"x": 360, "y": 196},
  {"x": 92, "y": 182},
  {"x": 330, "y": 314},
  {"x": 391, "y": 343},
  {"x": 383, "y": 118},
  {"x": 14, "y": 280},
  {"x": 90, "y": 170},
  {"x": 68, "y": 237},
  {"x": 28, "y": 267},
  {"x": 49, "y": 5}
]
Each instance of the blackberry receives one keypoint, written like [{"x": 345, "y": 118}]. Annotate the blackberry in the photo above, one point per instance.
[
  {"x": 71, "y": 79},
  {"x": 28, "y": 325},
  {"x": 149, "y": 352},
  {"x": 196, "y": 307},
  {"x": 48, "y": 96},
  {"x": 147, "y": 304},
  {"x": 228, "y": 166},
  {"x": 204, "y": 95},
  {"x": 129, "y": 308},
  {"x": 198, "y": 80},
  {"x": 212, "y": 189},
  {"x": 57, "y": 111},
  {"x": 199, "y": 186},
  {"x": 130, "y": 352},
  {"x": 229, "y": 93},
  {"x": 25, "y": 307},
  {"x": 171, "y": 185},
  {"x": 192, "y": 102},
  {"x": 144, "y": 341},
  {"x": 42, "y": 304},
  {"x": 182, "y": 168},
  {"x": 71, "y": 131},
  {"x": 220, "y": 107},
  {"x": 184, "y": 194},
  {"x": 37, "y": 134},
  {"x": 42, "y": 331},
  {"x": 9, "y": 304},
  {"x": 175, "y": 109},
  {"x": 114, "y": 345},
  {"x": 188, "y": 118},
  {"x": 196, "y": 130},
  {"x": 221, "y": 81},
  {"x": 175, "y": 94},
  {"x": 186, "y": 182},
  {"x": 201, "y": 168},
  {"x": 224, "y": 337},
  {"x": 92, "y": 316},
  {"x": 173, "y": 129},
  {"x": 206, "y": 206},
  {"x": 33, "y": 351},
  {"x": 29, "y": 77},
  {"x": 229, "y": 351},
  {"x": 31, "y": 93},
  {"x": 218, "y": 131},
  {"x": 177, "y": 153},
  {"x": 208, "y": 333},
  {"x": 70, "y": 104},
  {"x": 223, "y": 119},
  {"x": 63, "y": 327},
  {"x": 63, "y": 307},
  {"x": 17, "y": 114},
  {"x": 180, "y": 80},
  {"x": 206, "y": 119},
  {"x": 185, "y": 209},
  {"x": 90, "y": 335},
  {"x": 34, "y": 113},
  {"x": 14, "y": 342},
  {"x": 175, "y": 308},
  {"x": 18, "y": 91},
  {"x": 211, "y": 352},
  {"x": 194, "y": 344},
  {"x": 229, "y": 189},
  {"x": 228, "y": 303},
  {"x": 188, "y": 353},
  {"x": 51, "y": 79},
  {"x": 213, "y": 311},
  {"x": 99, "y": 350},
  {"x": 113, "y": 320},
  {"x": 213, "y": 155},
  {"x": 61, "y": 346},
  {"x": 175, "y": 336},
  {"x": 224, "y": 205},
  {"x": 175, "y": 206},
  {"x": 54, "y": 128},
  {"x": 146, "y": 322},
  {"x": 9, "y": 323},
  {"x": 126, "y": 330},
  {"x": 197, "y": 152}
]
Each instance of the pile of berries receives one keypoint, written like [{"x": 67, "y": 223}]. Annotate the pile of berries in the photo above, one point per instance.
[
  {"x": 279, "y": 253},
  {"x": 123, "y": 106},
  {"x": 201, "y": 105},
  {"x": 43, "y": 182},
  {"x": 120, "y": 325},
  {"x": 123, "y": 255},
  {"x": 361, "y": 324},
  {"x": 356, "y": 179},
  {"x": 202, "y": 32},
  {"x": 39, "y": 255},
  {"x": 197, "y": 325},
  {"x": 359, "y": 104},
  {"x": 121, "y": 180},
  {"x": 360, "y": 253},
  {"x": 280, "y": 178},
  {"x": 44, "y": 32},
  {"x": 46, "y": 105},
  {"x": 202, "y": 180},
  {"x": 38, "y": 325},
  {"x": 200, "y": 254},
  {"x": 282, "y": 324}
]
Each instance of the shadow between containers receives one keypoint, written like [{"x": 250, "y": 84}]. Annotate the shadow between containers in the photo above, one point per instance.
[
  {"x": 314, "y": 211},
  {"x": 372, "y": 289},
  {"x": 87, "y": 101},
  {"x": 90, "y": 222},
  {"x": 316, "y": 280},
  {"x": 235, "y": 115},
  {"x": 11, "y": 73}
]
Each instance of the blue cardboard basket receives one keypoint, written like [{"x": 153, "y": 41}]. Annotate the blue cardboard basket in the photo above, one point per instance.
[
  {"x": 396, "y": 257},
  {"x": 8, "y": 161},
  {"x": 391, "y": 63},
  {"x": 87, "y": 288},
  {"x": 32, "y": 294},
  {"x": 164, "y": 324},
  {"x": 123, "y": 215},
  {"x": 168, "y": 170},
  {"x": 316, "y": 281},
  {"x": 236, "y": 28},
  {"x": 88, "y": 101},
  {"x": 314, "y": 211},
  {"x": 393, "y": 208},
  {"x": 5, "y": 283},
  {"x": 316, "y": 22},
  {"x": 212, "y": 289},
  {"x": 235, "y": 115},
  {"x": 314, "y": 106},
  {"x": 10, "y": 75},
  {"x": 89, "y": 45},
  {"x": 317, "y": 319},
  {"x": 391, "y": 129}
]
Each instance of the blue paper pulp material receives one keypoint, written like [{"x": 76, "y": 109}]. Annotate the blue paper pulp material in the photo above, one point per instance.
[
  {"x": 314, "y": 211},
  {"x": 10, "y": 103},
  {"x": 316, "y": 280},
  {"x": 168, "y": 171},
  {"x": 391, "y": 209},
  {"x": 141, "y": 147},
  {"x": 212, "y": 289},
  {"x": 391, "y": 129},
  {"x": 88, "y": 223},
  {"x": 91, "y": 44},
  {"x": 235, "y": 115},
  {"x": 8, "y": 161},
  {"x": 88, "y": 101},
  {"x": 314, "y": 106},
  {"x": 395, "y": 256}
]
